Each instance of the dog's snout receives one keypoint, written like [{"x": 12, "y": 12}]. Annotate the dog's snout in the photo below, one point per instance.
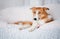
[{"x": 35, "y": 18}]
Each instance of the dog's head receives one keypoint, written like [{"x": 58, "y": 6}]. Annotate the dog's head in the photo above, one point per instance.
[{"x": 39, "y": 12}]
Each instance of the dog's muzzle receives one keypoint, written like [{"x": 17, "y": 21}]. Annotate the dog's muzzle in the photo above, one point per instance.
[{"x": 35, "y": 18}]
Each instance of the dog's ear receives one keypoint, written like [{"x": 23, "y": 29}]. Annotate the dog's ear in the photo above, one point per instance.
[{"x": 45, "y": 8}]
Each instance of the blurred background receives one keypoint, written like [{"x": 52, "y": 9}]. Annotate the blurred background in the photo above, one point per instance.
[{"x": 12, "y": 3}]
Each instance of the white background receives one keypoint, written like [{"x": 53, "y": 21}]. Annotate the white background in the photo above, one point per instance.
[{"x": 12, "y": 3}]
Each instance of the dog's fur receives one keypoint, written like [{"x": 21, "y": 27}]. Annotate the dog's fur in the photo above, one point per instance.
[
  {"x": 40, "y": 14},
  {"x": 23, "y": 22}
]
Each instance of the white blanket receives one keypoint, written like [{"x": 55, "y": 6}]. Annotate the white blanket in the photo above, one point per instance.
[{"x": 48, "y": 31}]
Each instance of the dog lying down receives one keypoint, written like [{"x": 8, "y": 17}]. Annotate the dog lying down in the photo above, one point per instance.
[{"x": 40, "y": 17}]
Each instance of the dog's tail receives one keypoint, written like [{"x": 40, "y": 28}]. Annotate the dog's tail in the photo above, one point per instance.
[{"x": 18, "y": 22}]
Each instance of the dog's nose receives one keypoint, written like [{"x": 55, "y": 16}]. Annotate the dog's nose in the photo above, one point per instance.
[{"x": 35, "y": 18}]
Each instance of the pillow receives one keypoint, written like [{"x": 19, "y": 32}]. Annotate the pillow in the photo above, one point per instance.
[{"x": 14, "y": 14}]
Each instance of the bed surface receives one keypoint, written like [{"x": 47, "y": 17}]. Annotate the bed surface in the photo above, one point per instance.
[{"x": 47, "y": 31}]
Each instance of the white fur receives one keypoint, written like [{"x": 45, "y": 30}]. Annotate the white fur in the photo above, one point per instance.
[
  {"x": 36, "y": 15},
  {"x": 34, "y": 26},
  {"x": 41, "y": 22}
]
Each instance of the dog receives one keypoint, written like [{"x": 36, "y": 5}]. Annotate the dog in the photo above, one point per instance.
[
  {"x": 40, "y": 14},
  {"x": 40, "y": 17}
]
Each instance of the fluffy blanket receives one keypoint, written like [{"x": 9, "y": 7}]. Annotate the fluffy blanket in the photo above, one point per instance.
[{"x": 48, "y": 31}]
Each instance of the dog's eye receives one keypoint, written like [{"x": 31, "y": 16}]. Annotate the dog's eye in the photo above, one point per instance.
[
  {"x": 34, "y": 12},
  {"x": 38, "y": 12}
]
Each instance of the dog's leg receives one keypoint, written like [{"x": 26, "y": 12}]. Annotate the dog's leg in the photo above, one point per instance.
[
  {"x": 49, "y": 19},
  {"x": 33, "y": 27},
  {"x": 24, "y": 26}
]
